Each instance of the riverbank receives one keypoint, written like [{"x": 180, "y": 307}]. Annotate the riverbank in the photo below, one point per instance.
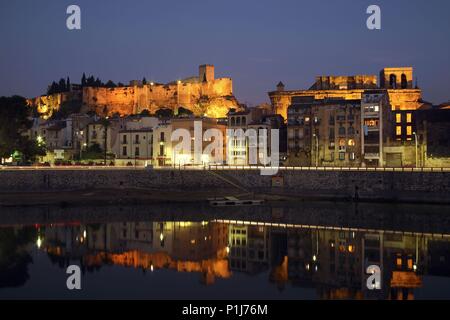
[{"x": 77, "y": 187}]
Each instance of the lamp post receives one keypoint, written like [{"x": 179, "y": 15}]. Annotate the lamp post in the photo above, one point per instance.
[
  {"x": 417, "y": 155},
  {"x": 317, "y": 149},
  {"x": 80, "y": 138}
]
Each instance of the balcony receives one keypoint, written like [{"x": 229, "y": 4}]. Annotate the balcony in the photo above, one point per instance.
[{"x": 371, "y": 156}]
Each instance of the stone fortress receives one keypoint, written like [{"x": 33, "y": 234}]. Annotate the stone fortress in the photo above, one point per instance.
[{"x": 204, "y": 95}]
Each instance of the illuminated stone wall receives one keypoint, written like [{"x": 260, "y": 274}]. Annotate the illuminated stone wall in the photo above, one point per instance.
[
  {"x": 214, "y": 98},
  {"x": 46, "y": 105}
]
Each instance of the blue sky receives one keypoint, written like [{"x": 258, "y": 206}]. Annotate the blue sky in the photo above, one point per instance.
[{"x": 256, "y": 42}]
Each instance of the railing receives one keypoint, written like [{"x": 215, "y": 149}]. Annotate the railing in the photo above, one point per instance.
[{"x": 226, "y": 167}]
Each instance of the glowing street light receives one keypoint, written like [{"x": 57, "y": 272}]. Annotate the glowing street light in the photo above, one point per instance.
[{"x": 39, "y": 242}]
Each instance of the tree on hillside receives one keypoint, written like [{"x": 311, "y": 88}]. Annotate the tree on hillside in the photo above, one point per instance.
[
  {"x": 145, "y": 113},
  {"x": 184, "y": 112},
  {"x": 164, "y": 113},
  {"x": 110, "y": 84}
]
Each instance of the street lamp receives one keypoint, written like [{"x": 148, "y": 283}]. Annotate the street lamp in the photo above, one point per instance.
[
  {"x": 80, "y": 138},
  {"x": 317, "y": 149},
  {"x": 417, "y": 155}
]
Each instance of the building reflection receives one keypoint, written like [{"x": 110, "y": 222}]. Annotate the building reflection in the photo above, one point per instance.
[{"x": 332, "y": 261}]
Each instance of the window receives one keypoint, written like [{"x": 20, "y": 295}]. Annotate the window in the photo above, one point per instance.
[
  {"x": 331, "y": 121},
  {"x": 161, "y": 150},
  {"x": 398, "y": 130},
  {"x": 124, "y": 151},
  {"x": 342, "y": 131},
  {"x": 351, "y": 130},
  {"x": 244, "y": 121},
  {"x": 136, "y": 152},
  {"x": 341, "y": 156},
  {"x": 409, "y": 117},
  {"x": 408, "y": 130},
  {"x": 136, "y": 139},
  {"x": 352, "y": 156},
  {"x": 233, "y": 122},
  {"x": 124, "y": 140},
  {"x": 161, "y": 136},
  {"x": 238, "y": 121},
  {"x": 398, "y": 118}
]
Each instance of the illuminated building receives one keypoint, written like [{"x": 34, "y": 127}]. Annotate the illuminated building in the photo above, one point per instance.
[
  {"x": 255, "y": 119},
  {"x": 375, "y": 126},
  {"x": 324, "y": 132},
  {"x": 187, "y": 157}
]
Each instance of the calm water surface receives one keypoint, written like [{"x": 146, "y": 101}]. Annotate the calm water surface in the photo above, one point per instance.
[{"x": 300, "y": 251}]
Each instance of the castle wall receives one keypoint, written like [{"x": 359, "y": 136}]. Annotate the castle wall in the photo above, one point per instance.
[
  {"x": 128, "y": 100},
  {"x": 202, "y": 94}
]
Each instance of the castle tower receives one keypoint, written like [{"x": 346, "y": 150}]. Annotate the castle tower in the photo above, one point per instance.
[
  {"x": 396, "y": 78},
  {"x": 206, "y": 73}
]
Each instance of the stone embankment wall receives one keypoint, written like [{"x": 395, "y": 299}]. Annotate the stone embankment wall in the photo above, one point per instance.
[{"x": 348, "y": 185}]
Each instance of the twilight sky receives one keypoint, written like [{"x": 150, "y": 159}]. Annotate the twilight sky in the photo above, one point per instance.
[{"x": 256, "y": 42}]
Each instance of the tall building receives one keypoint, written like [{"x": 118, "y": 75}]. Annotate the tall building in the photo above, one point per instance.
[
  {"x": 375, "y": 127},
  {"x": 324, "y": 132}
]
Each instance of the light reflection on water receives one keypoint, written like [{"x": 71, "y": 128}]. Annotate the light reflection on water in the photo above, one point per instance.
[{"x": 221, "y": 258}]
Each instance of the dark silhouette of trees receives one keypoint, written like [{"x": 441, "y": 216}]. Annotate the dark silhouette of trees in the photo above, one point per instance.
[{"x": 14, "y": 123}]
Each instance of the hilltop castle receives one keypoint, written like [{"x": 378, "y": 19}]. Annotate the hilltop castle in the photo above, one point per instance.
[{"x": 203, "y": 95}]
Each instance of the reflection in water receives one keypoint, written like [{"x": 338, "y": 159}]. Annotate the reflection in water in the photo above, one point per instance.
[{"x": 332, "y": 261}]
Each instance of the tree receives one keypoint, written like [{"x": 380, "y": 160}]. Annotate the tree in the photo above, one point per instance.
[
  {"x": 144, "y": 81},
  {"x": 90, "y": 82},
  {"x": 14, "y": 124},
  {"x": 164, "y": 113},
  {"x": 62, "y": 85},
  {"x": 68, "y": 84},
  {"x": 184, "y": 112},
  {"x": 53, "y": 88},
  {"x": 145, "y": 113},
  {"x": 83, "y": 80},
  {"x": 110, "y": 84},
  {"x": 98, "y": 82}
]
